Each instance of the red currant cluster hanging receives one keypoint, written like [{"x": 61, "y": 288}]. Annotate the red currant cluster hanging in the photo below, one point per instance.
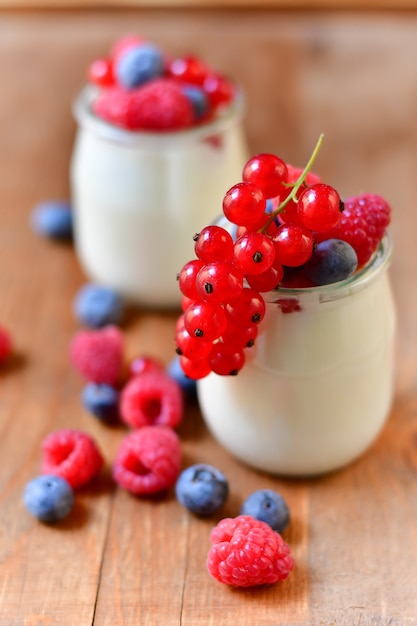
[{"x": 284, "y": 219}]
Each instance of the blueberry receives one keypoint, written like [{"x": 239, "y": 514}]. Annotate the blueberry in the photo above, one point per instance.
[
  {"x": 96, "y": 306},
  {"x": 202, "y": 489},
  {"x": 140, "y": 64},
  {"x": 268, "y": 506},
  {"x": 198, "y": 99},
  {"x": 175, "y": 371},
  {"x": 102, "y": 401},
  {"x": 331, "y": 261},
  {"x": 53, "y": 218},
  {"x": 49, "y": 498}
]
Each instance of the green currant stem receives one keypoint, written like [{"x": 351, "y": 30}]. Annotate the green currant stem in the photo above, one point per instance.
[{"x": 295, "y": 186}]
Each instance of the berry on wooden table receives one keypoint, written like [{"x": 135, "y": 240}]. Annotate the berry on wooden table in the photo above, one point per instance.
[
  {"x": 49, "y": 498},
  {"x": 268, "y": 506},
  {"x": 246, "y": 552},
  {"x": 102, "y": 401},
  {"x": 98, "y": 354},
  {"x": 202, "y": 488},
  {"x": 97, "y": 306},
  {"x": 148, "y": 460},
  {"x": 71, "y": 454}
]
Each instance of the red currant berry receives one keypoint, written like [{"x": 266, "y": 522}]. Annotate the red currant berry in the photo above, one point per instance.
[
  {"x": 205, "y": 321},
  {"x": 100, "y": 72},
  {"x": 218, "y": 89},
  {"x": 219, "y": 282},
  {"x": 214, "y": 243},
  {"x": 235, "y": 336},
  {"x": 293, "y": 244},
  {"x": 319, "y": 207},
  {"x": 186, "y": 302},
  {"x": 268, "y": 280},
  {"x": 225, "y": 360},
  {"x": 190, "y": 346},
  {"x": 189, "y": 69},
  {"x": 268, "y": 172},
  {"x": 244, "y": 204},
  {"x": 195, "y": 369},
  {"x": 248, "y": 309},
  {"x": 254, "y": 253},
  {"x": 289, "y": 213},
  {"x": 187, "y": 278}
]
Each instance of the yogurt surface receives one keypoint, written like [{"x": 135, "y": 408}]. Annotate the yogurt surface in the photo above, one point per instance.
[{"x": 318, "y": 387}]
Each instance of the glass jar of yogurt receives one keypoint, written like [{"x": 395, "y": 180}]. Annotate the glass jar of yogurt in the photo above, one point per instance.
[
  {"x": 318, "y": 387},
  {"x": 137, "y": 196}
]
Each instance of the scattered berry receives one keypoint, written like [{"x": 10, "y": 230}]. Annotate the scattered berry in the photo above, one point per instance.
[
  {"x": 148, "y": 460},
  {"x": 143, "y": 364},
  {"x": 53, "y": 219},
  {"x": 269, "y": 507},
  {"x": 49, "y": 498},
  {"x": 150, "y": 399},
  {"x": 97, "y": 306},
  {"x": 100, "y": 72},
  {"x": 6, "y": 345},
  {"x": 71, "y": 454},
  {"x": 102, "y": 401},
  {"x": 331, "y": 261},
  {"x": 98, "y": 354},
  {"x": 202, "y": 489},
  {"x": 139, "y": 64},
  {"x": 246, "y": 552}
]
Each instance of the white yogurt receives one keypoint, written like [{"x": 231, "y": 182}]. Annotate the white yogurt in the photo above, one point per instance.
[
  {"x": 138, "y": 198},
  {"x": 319, "y": 387}
]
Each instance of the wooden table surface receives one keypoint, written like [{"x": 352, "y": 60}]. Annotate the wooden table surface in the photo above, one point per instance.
[{"x": 119, "y": 560}]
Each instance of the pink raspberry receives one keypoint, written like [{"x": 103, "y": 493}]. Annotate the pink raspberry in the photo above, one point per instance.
[
  {"x": 160, "y": 105},
  {"x": 5, "y": 344},
  {"x": 148, "y": 460},
  {"x": 151, "y": 398},
  {"x": 71, "y": 454},
  {"x": 247, "y": 552},
  {"x": 112, "y": 105},
  {"x": 98, "y": 354},
  {"x": 363, "y": 224}
]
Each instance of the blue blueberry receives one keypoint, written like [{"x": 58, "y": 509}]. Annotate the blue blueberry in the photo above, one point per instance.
[
  {"x": 140, "y": 64},
  {"x": 331, "y": 261},
  {"x": 49, "y": 498},
  {"x": 202, "y": 489},
  {"x": 96, "y": 306},
  {"x": 268, "y": 506},
  {"x": 175, "y": 371},
  {"x": 54, "y": 219},
  {"x": 102, "y": 401},
  {"x": 198, "y": 99}
]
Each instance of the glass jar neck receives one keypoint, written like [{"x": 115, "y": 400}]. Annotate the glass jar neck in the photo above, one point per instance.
[{"x": 84, "y": 116}]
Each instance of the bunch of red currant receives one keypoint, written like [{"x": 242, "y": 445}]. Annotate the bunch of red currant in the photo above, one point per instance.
[{"x": 279, "y": 213}]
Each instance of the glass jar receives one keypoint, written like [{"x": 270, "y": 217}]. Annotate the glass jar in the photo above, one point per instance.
[
  {"x": 138, "y": 197},
  {"x": 319, "y": 385}
]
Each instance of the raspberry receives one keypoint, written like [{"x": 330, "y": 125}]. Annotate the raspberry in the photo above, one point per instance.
[
  {"x": 151, "y": 398},
  {"x": 5, "y": 344},
  {"x": 112, "y": 105},
  {"x": 246, "y": 552},
  {"x": 362, "y": 225},
  {"x": 160, "y": 105},
  {"x": 98, "y": 354},
  {"x": 72, "y": 455},
  {"x": 148, "y": 460}
]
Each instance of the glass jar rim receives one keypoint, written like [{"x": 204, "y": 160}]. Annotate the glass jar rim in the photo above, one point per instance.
[
  {"x": 379, "y": 262},
  {"x": 84, "y": 116}
]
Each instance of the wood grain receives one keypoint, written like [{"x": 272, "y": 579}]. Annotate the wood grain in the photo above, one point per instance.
[{"x": 118, "y": 560}]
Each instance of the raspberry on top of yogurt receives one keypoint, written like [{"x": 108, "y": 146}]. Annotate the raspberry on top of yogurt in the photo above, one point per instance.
[{"x": 142, "y": 88}]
